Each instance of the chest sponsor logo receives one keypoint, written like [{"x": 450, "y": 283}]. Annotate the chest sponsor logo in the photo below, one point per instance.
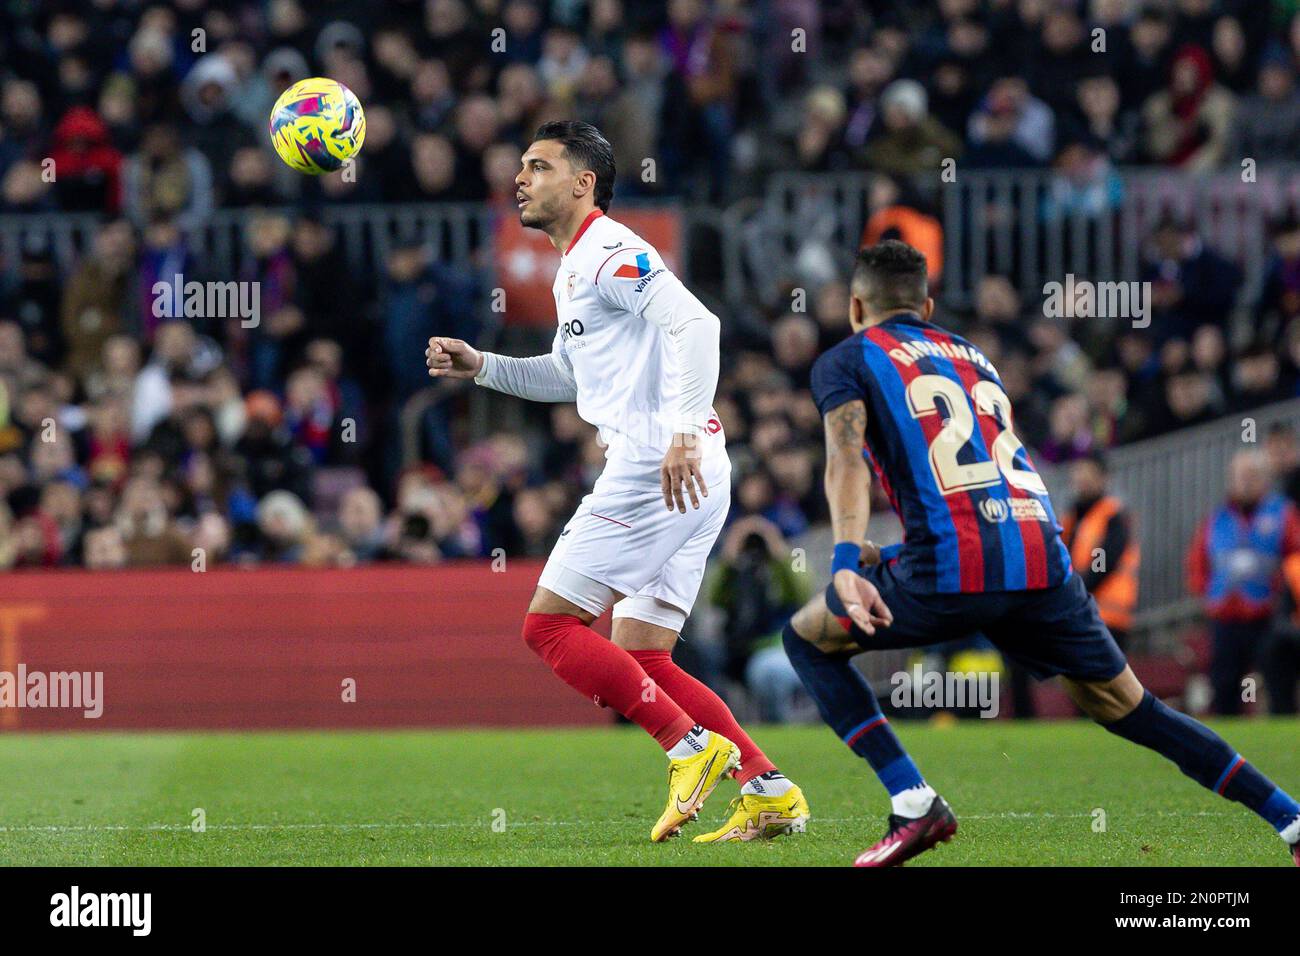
[
  {"x": 571, "y": 335},
  {"x": 994, "y": 510},
  {"x": 1028, "y": 509}
]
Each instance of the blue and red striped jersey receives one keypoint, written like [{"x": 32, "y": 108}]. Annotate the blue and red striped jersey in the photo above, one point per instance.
[{"x": 976, "y": 515}]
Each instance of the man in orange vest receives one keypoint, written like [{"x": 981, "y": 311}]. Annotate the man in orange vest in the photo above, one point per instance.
[
  {"x": 1282, "y": 664},
  {"x": 1103, "y": 548}
]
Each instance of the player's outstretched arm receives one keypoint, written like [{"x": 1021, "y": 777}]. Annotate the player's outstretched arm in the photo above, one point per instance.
[
  {"x": 452, "y": 358},
  {"x": 539, "y": 378},
  {"x": 848, "y": 492}
]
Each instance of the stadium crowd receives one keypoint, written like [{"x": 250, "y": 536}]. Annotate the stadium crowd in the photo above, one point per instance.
[{"x": 128, "y": 438}]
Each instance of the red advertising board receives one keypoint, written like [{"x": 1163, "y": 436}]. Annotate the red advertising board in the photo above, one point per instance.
[
  {"x": 526, "y": 261},
  {"x": 436, "y": 646}
]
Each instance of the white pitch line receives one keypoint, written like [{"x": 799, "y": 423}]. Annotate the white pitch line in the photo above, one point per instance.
[{"x": 417, "y": 825}]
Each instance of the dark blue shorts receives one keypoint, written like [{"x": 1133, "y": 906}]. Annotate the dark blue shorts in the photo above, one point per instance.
[{"x": 1048, "y": 632}]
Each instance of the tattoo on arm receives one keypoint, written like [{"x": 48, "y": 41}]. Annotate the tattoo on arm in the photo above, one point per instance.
[
  {"x": 846, "y": 427},
  {"x": 848, "y": 481}
]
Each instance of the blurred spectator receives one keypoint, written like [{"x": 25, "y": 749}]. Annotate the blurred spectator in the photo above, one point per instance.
[
  {"x": 105, "y": 549},
  {"x": 1012, "y": 117},
  {"x": 1282, "y": 657},
  {"x": 420, "y": 298},
  {"x": 31, "y": 296},
  {"x": 1256, "y": 378},
  {"x": 757, "y": 590},
  {"x": 88, "y": 166},
  {"x": 360, "y": 521},
  {"x": 97, "y": 296},
  {"x": 270, "y": 459},
  {"x": 167, "y": 178},
  {"x": 284, "y": 527},
  {"x": 1189, "y": 125},
  {"x": 1234, "y": 565},
  {"x": 1192, "y": 284},
  {"x": 149, "y": 534},
  {"x": 1233, "y": 60},
  {"x": 1278, "y": 307},
  {"x": 896, "y": 211},
  {"x": 262, "y": 353},
  {"x": 1268, "y": 121},
  {"x": 912, "y": 141},
  {"x": 1098, "y": 531},
  {"x": 21, "y": 121},
  {"x": 870, "y": 70},
  {"x": 208, "y": 93},
  {"x": 1145, "y": 68},
  {"x": 1102, "y": 119},
  {"x": 702, "y": 52},
  {"x": 1283, "y": 450}
]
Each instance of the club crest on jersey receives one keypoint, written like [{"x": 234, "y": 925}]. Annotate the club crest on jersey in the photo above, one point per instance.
[
  {"x": 994, "y": 510},
  {"x": 569, "y": 283}
]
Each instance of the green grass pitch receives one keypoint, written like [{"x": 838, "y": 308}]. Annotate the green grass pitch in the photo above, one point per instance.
[{"x": 1025, "y": 795}]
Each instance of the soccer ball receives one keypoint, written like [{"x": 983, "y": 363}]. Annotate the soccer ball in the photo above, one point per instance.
[{"x": 317, "y": 125}]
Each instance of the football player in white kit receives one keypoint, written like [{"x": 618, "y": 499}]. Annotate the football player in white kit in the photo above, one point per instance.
[{"x": 639, "y": 354}]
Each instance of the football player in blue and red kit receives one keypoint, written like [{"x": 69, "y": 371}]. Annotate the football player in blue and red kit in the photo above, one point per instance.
[{"x": 925, "y": 411}]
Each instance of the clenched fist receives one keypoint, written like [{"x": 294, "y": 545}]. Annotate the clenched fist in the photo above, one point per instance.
[{"x": 453, "y": 358}]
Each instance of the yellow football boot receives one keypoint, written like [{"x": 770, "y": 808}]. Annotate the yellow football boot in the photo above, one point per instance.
[
  {"x": 691, "y": 780},
  {"x": 757, "y": 817}
]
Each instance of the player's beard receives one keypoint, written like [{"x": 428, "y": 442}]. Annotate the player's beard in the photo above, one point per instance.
[{"x": 538, "y": 215}]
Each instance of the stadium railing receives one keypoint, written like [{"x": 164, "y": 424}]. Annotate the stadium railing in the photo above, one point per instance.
[
  {"x": 1170, "y": 485},
  {"x": 459, "y": 233},
  {"x": 1032, "y": 225}
]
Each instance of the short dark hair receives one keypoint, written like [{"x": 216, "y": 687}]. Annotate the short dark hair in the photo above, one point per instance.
[
  {"x": 891, "y": 275},
  {"x": 586, "y": 148}
]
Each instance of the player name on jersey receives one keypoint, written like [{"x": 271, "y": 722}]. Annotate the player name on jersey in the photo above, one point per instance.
[{"x": 907, "y": 353}]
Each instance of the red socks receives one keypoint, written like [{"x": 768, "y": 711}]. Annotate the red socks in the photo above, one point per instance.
[
  {"x": 609, "y": 675},
  {"x": 644, "y": 686},
  {"x": 706, "y": 707}
]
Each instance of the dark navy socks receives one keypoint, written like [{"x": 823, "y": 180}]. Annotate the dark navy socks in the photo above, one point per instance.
[
  {"x": 848, "y": 704},
  {"x": 1205, "y": 757}
]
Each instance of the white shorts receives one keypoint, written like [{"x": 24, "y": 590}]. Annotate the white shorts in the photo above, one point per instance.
[{"x": 624, "y": 540}]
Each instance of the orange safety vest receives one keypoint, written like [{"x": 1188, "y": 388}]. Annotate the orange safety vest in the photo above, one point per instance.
[
  {"x": 915, "y": 228},
  {"x": 1117, "y": 593},
  {"x": 1291, "y": 578}
]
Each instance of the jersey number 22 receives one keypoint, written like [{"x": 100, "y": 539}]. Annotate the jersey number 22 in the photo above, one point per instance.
[{"x": 990, "y": 401}]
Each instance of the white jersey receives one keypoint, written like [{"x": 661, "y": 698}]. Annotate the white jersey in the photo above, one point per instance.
[
  {"x": 639, "y": 355},
  {"x": 619, "y": 348}
]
